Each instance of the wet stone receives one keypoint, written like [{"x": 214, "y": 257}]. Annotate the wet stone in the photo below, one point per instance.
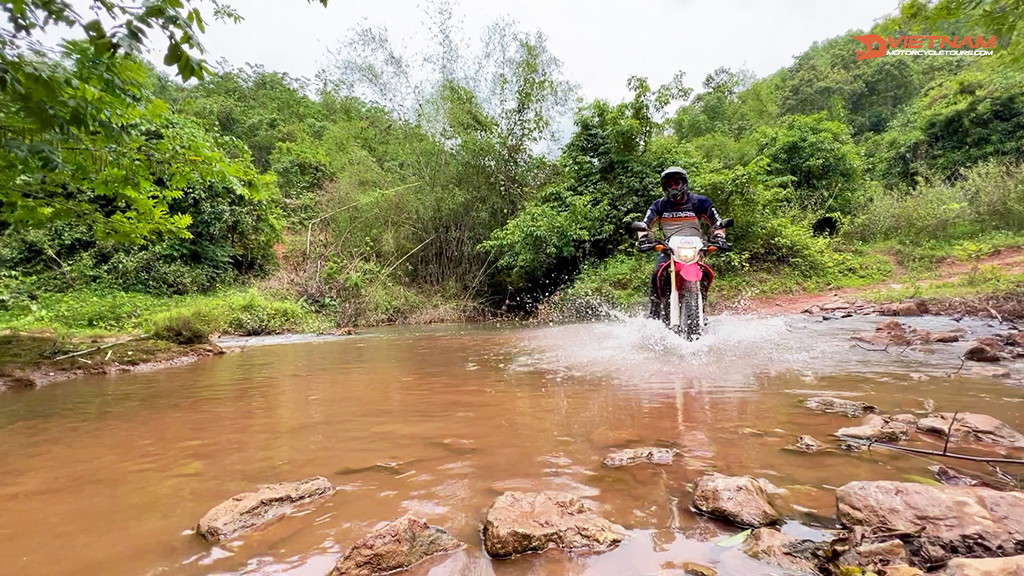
[
  {"x": 848, "y": 408},
  {"x": 935, "y": 523},
  {"x": 907, "y": 309},
  {"x": 951, "y": 477},
  {"x": 908, "y": 419},
  {"x": 637, "y": 455},
  {"x": 991, "y": 371},
  {"x": 1013, "y": 566},
  {"x": 877, "y": 429},
  {"x": 521, "y": 522},
  {"x": 395, "y": 546},
  {"x": 874, "y": 555},
  {"x": 741, "y": 500},
  {"x": 981, "y": 353},
  {"x": 808, "y": 444},
  {"x": 891, "y": 326},
  {"x": 250, "y": 509},
  {"x": 976, "y": 428},
  {"x": 775, "y": 548}
]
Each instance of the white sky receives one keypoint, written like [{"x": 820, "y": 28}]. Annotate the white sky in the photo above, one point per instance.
[{"x": 600, "y": 42}]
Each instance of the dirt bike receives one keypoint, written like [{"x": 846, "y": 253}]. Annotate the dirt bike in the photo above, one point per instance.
[{"x": 683, "y": 310}]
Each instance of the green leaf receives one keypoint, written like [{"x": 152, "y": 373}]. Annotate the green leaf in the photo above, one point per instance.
[
  {"x": 173, "y": 55},
  {"x": 735, "y": 539}
]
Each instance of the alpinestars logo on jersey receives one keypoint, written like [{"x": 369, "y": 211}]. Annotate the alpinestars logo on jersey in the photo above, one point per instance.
[{"x": 678, "y": 215}]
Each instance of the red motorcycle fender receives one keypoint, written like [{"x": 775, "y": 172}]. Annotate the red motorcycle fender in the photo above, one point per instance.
[{"x": 690, "y": 272}]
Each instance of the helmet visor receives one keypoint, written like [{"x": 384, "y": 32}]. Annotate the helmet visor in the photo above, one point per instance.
[{"x": 674, "y": 181}]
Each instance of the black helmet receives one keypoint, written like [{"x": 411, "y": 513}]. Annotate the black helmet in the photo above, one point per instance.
[{"x": 675, "y": 183}]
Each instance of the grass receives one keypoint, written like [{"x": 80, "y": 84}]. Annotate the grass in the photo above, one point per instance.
[
  {"x": 987, "y": 280},
  {"x": 99, "y": 313}
]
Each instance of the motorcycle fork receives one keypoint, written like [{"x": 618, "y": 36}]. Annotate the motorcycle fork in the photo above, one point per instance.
[{"x": 673, "y": 298}]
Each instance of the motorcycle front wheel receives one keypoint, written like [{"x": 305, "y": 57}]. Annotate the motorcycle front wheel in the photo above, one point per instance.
[{"x": 691, "y": 313}]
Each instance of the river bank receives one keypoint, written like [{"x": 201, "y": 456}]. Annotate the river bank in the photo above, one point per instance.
[
  {"x": 989, "y": 287},
  {"x": 32, "y": 360}
]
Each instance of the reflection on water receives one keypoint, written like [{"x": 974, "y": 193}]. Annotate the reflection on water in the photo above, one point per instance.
[{"x": 107, "y": 475}]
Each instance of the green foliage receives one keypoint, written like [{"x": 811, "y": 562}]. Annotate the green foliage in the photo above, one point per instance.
[
  {"x": 252, "y": 314},
  {"x": 820, "y": 158},
  {"x": 620, "y": 280},
  {"x": 542, "y": 234},
  {"x": 177, "y": 319},
  {"x": 180, "y": 328},
  {"x": 1001, "y": 18},
  {"x": 988, "y": 199},
  {"x": 393, "y": 192}
]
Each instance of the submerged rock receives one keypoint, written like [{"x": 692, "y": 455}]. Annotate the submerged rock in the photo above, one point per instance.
[
  {"x": 878, "y": 429},
  {"x": 773, "y": 547},
  {"x": 909, "y": 309},
  {"x": 637, "y": 455},
  {"x": 1013, "y": 566},
  {"x": 908, "y": 419},
  {"x": 935, "y": 523},
  {"x": 395, "y": 546},
  {"x": 808, "y": 444},
  {"x": 250, "y": 509},
  {"x": 520, "y": 522},
  {"x": 741, "y": 500},
  {"x": 976, "y": 428},
  {"x": 874, "y": 555},
  {"x": 952, "y": 477},
  {"x": 850, "y": 408},
  {"x": 991, "y": 371},
  {"x": 981, "y": 353}
]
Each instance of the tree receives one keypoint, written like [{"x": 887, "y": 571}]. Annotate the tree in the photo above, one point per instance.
[
  {"x": 86, "y": 108},
  {"x": 820, "y": 159},
  {"x": 1001, "y": 18}
]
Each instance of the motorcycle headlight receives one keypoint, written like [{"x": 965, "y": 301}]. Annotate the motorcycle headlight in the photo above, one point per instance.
[{"x": 687, "y": 254}]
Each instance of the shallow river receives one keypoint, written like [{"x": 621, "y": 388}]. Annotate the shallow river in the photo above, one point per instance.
[{"x": 106, "y": 475}]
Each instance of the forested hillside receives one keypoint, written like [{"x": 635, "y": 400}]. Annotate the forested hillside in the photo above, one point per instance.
[{"x": 410, "y": 187}]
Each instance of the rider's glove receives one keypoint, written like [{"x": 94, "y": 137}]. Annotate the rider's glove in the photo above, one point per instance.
[
  {"x": 718, "y": 241},
  {"x": 645, "y": 244}
]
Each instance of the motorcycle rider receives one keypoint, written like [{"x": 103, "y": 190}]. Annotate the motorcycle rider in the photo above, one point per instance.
[{"x": 678, "y": 212}]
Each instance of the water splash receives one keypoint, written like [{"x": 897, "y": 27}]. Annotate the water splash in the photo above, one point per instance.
[{"x": 734, "y": 350}]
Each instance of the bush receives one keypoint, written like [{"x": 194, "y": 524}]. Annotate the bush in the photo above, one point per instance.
[
  {"x": 989, "y": 198},
  {"x": 181, "y": 328},
  {"x": 253, "y": 314}
]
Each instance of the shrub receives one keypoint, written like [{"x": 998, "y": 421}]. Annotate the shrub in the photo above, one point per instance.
[
  {"x": 253, "y": 314},
  {"x": 181, "y": 327}
]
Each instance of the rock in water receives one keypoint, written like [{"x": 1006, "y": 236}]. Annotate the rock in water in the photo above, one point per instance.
[
  {"x": 808, "y": 444},
  {"x": 969, "y": 427},
  {"x": 395, "y": 546},
  {"x": 739, "y": 499},
  {"x": 773, "y": 547},
  {"x": 1013, "y": 566},
  {"x": 878, "y": 429},
  {"x": 935, "y": 523},
  {"x": 840, "y": 406},
  {"x": 250, "y": 509},
  {"x": 520, "y": 522},
  {"x": 637, "y": 455}
]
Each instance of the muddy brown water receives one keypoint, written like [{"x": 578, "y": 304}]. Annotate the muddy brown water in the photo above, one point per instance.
[{"x": 106, "y": 475}]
